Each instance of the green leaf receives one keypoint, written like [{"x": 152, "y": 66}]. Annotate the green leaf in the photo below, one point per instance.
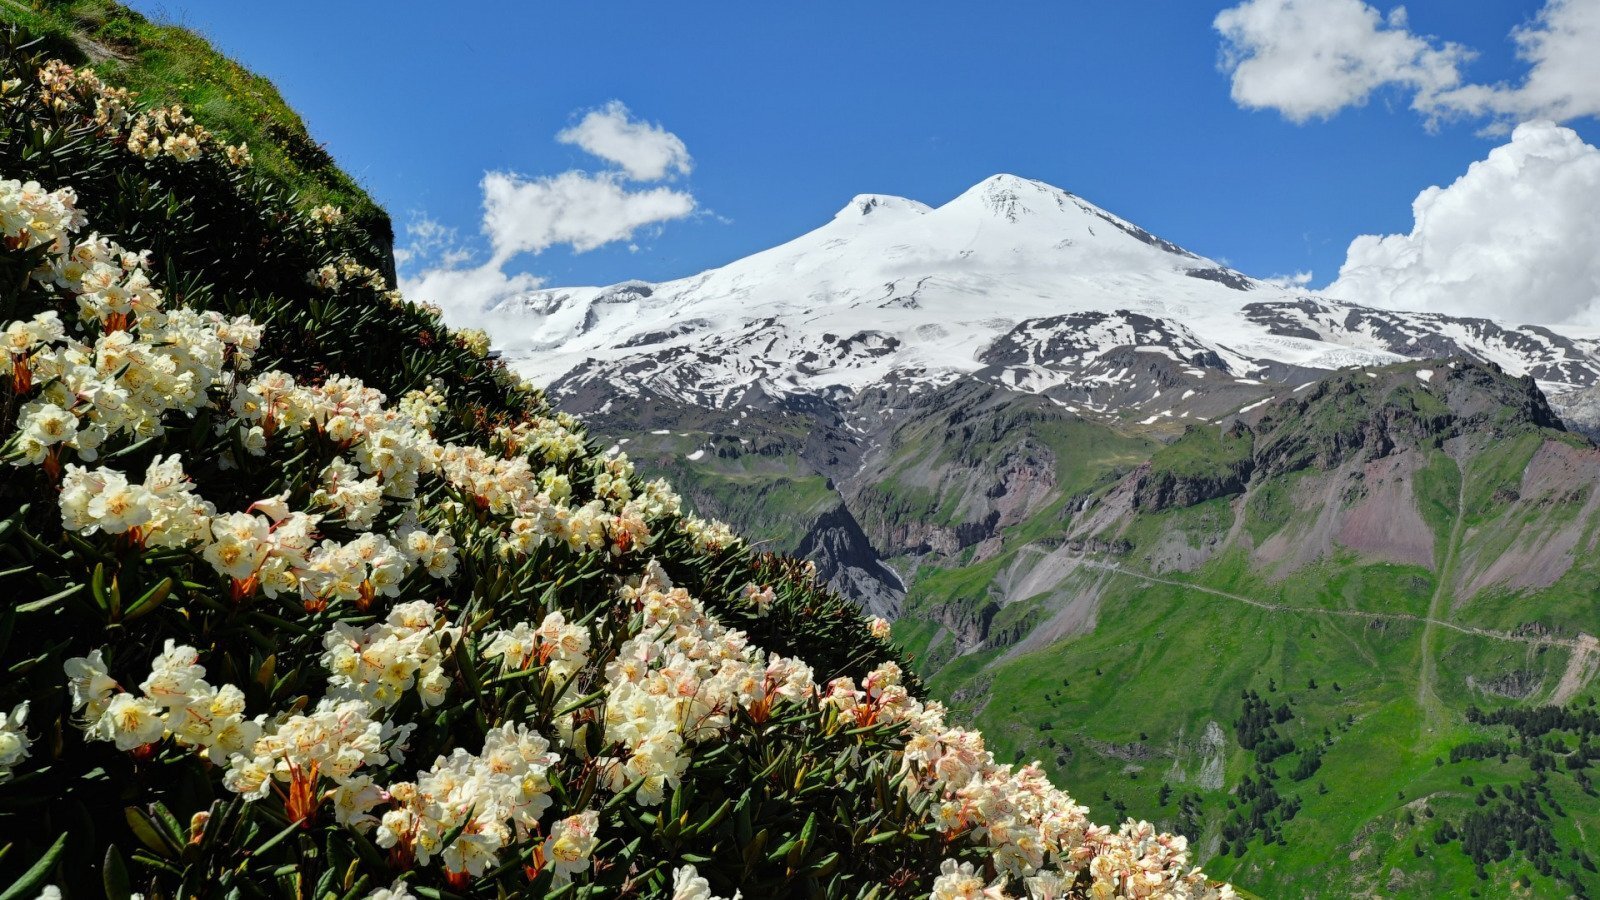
[
  {"x": 28, "y": 885},
  {"x": 151, "y": 599},
  {"x": 53, "y": 598},
  {"x": 132, "y": 448},
  {"x": 177, "y": 832},
  {"x": 114, "y": 874},
  {"x": 97, "y": 584},
  {"x": 144, "y": 828}
]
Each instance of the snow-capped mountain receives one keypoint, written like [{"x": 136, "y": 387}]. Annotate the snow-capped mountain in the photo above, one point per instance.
[{"x": 1015, "y": 283}]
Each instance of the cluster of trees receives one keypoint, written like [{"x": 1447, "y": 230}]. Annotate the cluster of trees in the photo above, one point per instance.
[
  {"x": 1513, "y": 819},
  {"x": 1191, "y": 815},
  {"x": 1518, "y": 822},
  {"x": 1540, "y": 721},
  {"x": 1258, "y": 810},
  {"x": 1256, "y": 729}
]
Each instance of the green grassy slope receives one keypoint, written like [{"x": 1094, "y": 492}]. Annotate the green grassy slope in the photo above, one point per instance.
[
  {"x": 167, "y": 64},
  {"x": 1376, "y": 663}
]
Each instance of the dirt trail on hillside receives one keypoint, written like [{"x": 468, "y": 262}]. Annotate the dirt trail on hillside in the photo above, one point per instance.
[
  {"x": 1534, "y": 639},
  {"x": 1581, "y": 668},
  {"x": 1447, "y": 571}
]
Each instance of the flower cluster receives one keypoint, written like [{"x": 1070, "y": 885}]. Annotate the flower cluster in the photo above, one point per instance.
[
  {"x": 679, "y": 681},
  {"x": 710, "y": 535},
  {"x": 381, "y": 662},
  {"x": 344, "y": 269},
  {"x": 493, "y": 798},
  {"x": 561, "y": 648},
  {"x": 964, "y": 882},
  {"x": 149, "y": 134},
  {"x": 325, "y": 217},
  {"x": 167, "y": 131},
  {"x": 64, "y": 88},
  {"x": 299, "y": 754},
  {"x": 760, "y": 599},
  {"x": 160, "y": 511},
  {"x": 423, "y": 407},
  {"x": 539, "y": 508},
  {"x": 1035, "y": 831},
  {"x": 175, "y": 701},
  {"x": 31, "y": 216},
  {"x": 475, "y": 340},
  {"x": 572, "y": 841},
  {"x": 688, "y": 885},
  {"x": 556, "y": 438},
  {"x": 144, "y": 363}
]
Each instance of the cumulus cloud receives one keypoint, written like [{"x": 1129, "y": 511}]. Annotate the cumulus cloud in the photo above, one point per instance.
[
  {"x": 578, "y": 209},
  {"x": 1309, "y": 59},
  {"x": 436, "y": 268},
  {"x": 647, "y": 152},
  {"x": 1513, "y": 238},
  {"x": 1563, "y": 80},
  {"x": 1312, "y": 58}
]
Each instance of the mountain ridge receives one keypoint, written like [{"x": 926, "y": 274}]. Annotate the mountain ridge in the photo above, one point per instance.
[{"x": 1013, "y": 282}]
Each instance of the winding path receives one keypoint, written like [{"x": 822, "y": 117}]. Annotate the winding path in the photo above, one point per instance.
[{"x": 1429, "y": 621}]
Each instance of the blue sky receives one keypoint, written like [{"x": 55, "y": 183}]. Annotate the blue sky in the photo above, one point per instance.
[{"x": 789, "y": 111}]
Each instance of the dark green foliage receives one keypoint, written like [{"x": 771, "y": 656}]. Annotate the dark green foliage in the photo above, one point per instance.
[{"x": 795, "y": 806}]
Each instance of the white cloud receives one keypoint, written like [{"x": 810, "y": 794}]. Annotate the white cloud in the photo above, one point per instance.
[
  {"x": 435, "y": 268},
  {"x": 1513, "y": 238},
  {"x": 428, "y": 240},
  {"x": 1312, "y": 58},
  {"x": 469, "y": 294},
  {"x": 1562, "y": 48},
  {"x": 1295, "y": 280},
  {"x": 579, "y": 209},
  {"x": 645, "y": 151}
]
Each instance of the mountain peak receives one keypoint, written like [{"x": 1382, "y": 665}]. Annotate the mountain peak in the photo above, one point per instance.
[
  {"x": 1007, "y": 181},
  {"x": 864, "y": 205},
  {"x": 1011, "y": 196}
]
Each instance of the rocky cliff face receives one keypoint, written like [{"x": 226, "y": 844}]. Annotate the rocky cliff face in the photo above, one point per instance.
[
  {"x": 1580, "y": 411},
  {"x": 847, "y": 561}
]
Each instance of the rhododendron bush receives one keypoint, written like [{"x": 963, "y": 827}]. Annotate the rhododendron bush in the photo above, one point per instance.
[{"x": 302, "y": 594}]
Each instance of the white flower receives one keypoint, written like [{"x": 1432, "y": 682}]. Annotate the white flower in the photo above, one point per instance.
[
  {"x": 89, "y": 683},
  {"x": 116, "y": 507},
  {"x": 570, "y": 843},
  {"x": 249, "y": 776},
  {"x": 396, "y": 891},
  {"x": 14, "y": 741},
  {"x": 688, "y": 885},
  {"x": 130, "y": 722},
  {"x": 761, "y": 598},
  {"x": 962, "y": 882},
  {"x": 353, "y": 800}
]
